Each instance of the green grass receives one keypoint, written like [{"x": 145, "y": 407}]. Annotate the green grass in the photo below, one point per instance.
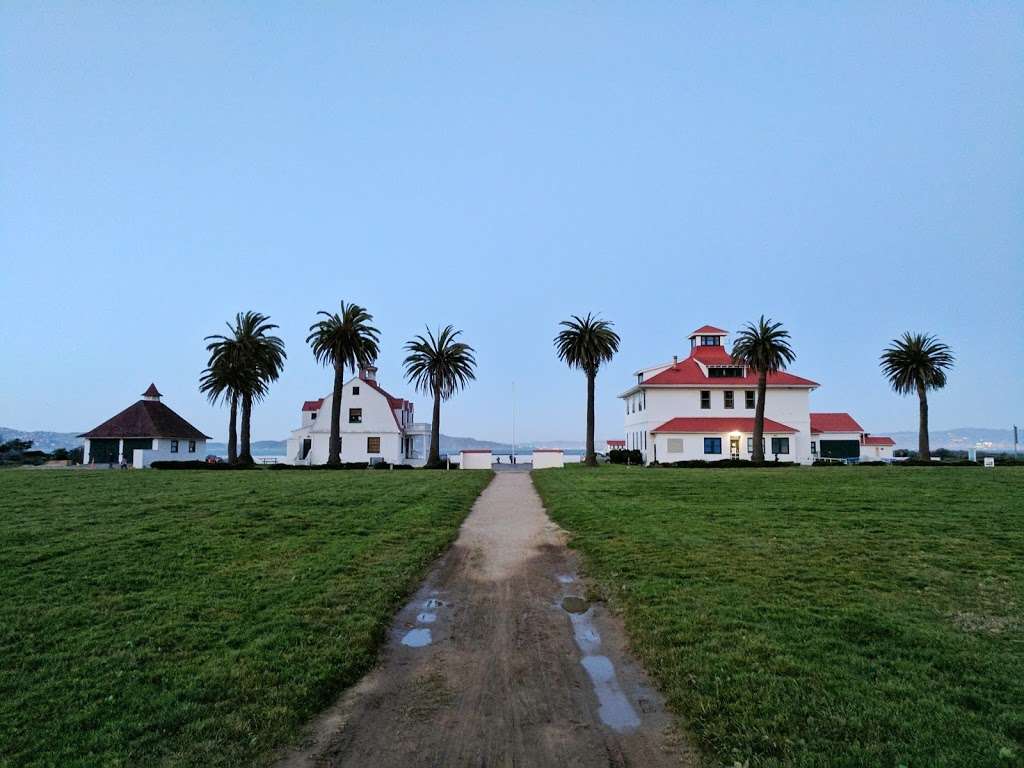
[
  {"x": 818, "y": 617},
  {"x": 199, "y": 618}
]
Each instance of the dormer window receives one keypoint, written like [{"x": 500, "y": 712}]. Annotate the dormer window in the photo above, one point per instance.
[
  {"x": 312, "y": 416},
  {"x": 710, "y": 341}
]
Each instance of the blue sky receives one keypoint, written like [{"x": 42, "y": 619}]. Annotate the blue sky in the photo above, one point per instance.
[{"x": 853, "y": 170}]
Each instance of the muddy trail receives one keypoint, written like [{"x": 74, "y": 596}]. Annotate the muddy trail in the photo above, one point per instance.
[{"x": 498, "y": 662}]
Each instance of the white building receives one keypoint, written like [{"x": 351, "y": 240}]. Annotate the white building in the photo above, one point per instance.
[
  {"x": 838, "y": 436},
  {"x": 375, "y": 426},
  {"x": 702, "y": 407},
  {"x": 142, "y": 433}
]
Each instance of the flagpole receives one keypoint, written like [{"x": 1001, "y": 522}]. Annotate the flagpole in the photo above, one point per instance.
[{"x": 513, "y": 422}]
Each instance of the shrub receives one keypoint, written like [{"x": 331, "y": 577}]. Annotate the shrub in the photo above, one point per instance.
[
  {"x": 624, "y": 456},
  {"x": 318, "y": 467},
  {"x": 196, "y": 464},
  {"x": 722, "y": 464}
]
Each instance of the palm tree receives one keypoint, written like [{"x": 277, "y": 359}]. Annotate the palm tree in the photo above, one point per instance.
[
  {"x": 219, "y": 382},
  {"x": 586, "y": 343},
  {"x": 764, "y": 348},
  {"x": 241, "y": 367},
  {"x": 440, "y": 366},
  {"x": 917, "y": 362},
  {"x": 343, "y": 339}
]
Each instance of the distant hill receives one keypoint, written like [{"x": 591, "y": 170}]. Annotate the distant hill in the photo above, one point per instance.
[
  {"x": 42, "y": 441},
  {"x": 958, "y": 439}
]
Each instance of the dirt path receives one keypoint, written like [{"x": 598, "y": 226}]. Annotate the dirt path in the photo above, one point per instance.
[{"x": 485, "y": 667}]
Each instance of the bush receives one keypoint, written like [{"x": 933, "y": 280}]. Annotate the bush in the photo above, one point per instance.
[
  {"x": 623, "y": 456},
  {"x": 318, "y": 467},
  {"x": 921, "y": 463},
  {"x": 196, "y": 464},
  {"x": 722, "y": 464}
]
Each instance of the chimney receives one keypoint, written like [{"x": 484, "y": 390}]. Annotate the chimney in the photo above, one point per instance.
[
  {"x": 368, "y": 373},
  {"x": 675, "y": 360}
]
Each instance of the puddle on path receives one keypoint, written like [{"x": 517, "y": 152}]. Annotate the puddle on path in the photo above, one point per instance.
[
  {"x": 417, "y": 638},
  {"x": 574, "y": 604},
  {"x": 426, "y": 618},
  {"x": 565, "y": 578},
  {"x": 614, "y": 708},
  {"x": 432, "y": 603}
]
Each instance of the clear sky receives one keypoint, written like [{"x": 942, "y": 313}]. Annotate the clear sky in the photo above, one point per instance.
[{"x": 854, "y": 170}]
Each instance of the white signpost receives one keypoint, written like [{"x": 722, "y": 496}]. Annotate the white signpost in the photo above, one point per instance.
[{"x": 989, "y": 462}]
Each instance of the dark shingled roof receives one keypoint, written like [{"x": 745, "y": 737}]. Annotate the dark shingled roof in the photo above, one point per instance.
[
  {"x": 147, "y": 418},
  {"x": 152, "y": 391}
]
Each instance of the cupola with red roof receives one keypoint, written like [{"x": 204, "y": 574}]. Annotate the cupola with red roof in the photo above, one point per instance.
[
  {"x": 707, "y": 336},
  {"x": 152, "y": 394}
]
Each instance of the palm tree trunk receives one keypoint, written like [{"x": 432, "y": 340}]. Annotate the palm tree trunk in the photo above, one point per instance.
[
  {"x": 233, "y": 430},
  {"x": 762, "y": 387},
  {"x": 334, "y": 447},
  {"x": 245, "y": 452},
  {"x": 923, "y": 449},
  {"x": 434, "y": 456},
  {"x": 590, "y": 458}
]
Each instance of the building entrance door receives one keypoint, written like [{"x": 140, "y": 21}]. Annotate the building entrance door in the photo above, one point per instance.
[{"x": 734, "y": 446}]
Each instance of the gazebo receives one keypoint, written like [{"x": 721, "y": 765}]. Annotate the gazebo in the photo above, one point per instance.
[{"x": 142, "y": 433}]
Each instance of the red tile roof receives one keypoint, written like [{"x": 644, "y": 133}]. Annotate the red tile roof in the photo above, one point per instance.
[
  {"x": 869, "y": 440},
  {"x": 833, "y": 422},
  {"x": 717, "y": 424},
  {"x": 708, "y": 330},
  {"x": 146, "y": 418},
  {"x": 688, "y": 373},
  {"x": 615, "y": 442},
  {"x": 312, "y": 405}
]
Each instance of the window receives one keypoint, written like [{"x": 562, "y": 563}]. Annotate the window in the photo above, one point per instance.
[
  {"x": 312, "y": 416},
  {"x": 750, "y": 444},
  {"x": 749, "y": 399},
  {"x": 814, "y": 448},
  {"x": 729, "y": 400},
  {"x": 191, "y": 446},
  {"x": 355, "y": 415},
  {"x": 705, "y": 398},
  {"x": 174, "y": 446},
  {"x": 712, "y": 445},
  {"x": 780, "y": 445},
  {"x": 675, "y": 445},
  {"x": 373, "y": 445},
  {"x": 355, "y": 390},
  {"x": 709, "y": 341},
  {"x": 724, "y": 372}
]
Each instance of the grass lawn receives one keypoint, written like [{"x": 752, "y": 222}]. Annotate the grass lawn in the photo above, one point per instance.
[
  {"x": 199, "y": 618},
  {"x": 818, "y": 617}
]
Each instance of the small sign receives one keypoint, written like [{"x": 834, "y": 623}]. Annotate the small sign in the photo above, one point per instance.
[{"x": 989, "y": 461}]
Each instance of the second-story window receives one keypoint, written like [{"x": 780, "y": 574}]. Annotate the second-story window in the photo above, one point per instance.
[
  {"x": 749, "y": 398},
  {"x": 355, "y": 415},
  {"x": 729, "y": 400},
  {"x": 355, "y": 390},
  {"x": 312, "y": 416},
  {"x": 705, "y": 398}
]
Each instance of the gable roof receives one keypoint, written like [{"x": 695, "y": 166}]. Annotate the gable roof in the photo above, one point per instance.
[
  {"x": 871, "y": 440},
  {"x": 312, "y": 405},
  {"x": 833, "y": 422},
  {"x": 719, "y": 424},
  {"x": 708, "y": 330},
  {"x": 146, "y": 418}
]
